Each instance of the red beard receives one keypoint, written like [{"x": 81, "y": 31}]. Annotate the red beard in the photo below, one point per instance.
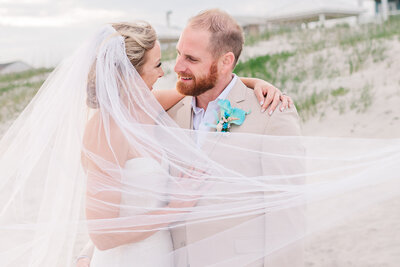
[{"x": 198, "y": 86}]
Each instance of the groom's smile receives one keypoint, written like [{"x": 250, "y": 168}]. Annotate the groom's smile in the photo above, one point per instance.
[
  {"x": 185, "y": 77},
  {"x": 191, "y": 85}
]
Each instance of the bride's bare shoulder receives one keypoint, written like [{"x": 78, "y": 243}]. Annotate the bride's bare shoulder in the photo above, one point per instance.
[
  {"x": 102, "y": 137},
  {"x": 99, "y": 129}
]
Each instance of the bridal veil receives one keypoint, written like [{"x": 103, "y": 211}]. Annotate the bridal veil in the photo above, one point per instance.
[{"x": 273, "y": 194}]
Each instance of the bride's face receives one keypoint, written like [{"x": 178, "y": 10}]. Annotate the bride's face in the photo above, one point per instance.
[{"x": 151, "y": 69}]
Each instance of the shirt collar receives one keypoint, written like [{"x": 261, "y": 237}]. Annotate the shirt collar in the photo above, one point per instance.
[{"x": 221, "y": 96}]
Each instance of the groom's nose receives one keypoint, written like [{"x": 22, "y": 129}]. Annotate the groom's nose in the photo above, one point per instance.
[{"x": 179, "y": 64}]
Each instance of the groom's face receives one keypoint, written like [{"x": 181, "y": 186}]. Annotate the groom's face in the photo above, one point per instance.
[{"x": 195, "y": 65}]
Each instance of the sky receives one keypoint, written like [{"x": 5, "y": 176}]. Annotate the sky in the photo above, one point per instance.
[{"x": 42, "y": 32}]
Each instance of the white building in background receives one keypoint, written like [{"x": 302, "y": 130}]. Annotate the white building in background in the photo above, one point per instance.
[
  {"x": 385, "y": 8},
  {"x": 13, "y": 67},
  {"x": 307, "y": 11},
  {"x": 167, "y": 35},
  {"x": 252, "y": 25}
]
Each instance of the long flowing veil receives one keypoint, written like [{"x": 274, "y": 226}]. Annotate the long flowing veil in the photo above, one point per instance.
[{"x": 64, "y": 175}]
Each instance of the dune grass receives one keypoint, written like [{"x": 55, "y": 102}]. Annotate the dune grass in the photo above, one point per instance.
[
  {"x": 314, "y": 58},
  {"x": 264, "y": 67},
  {"x": 17, "y": 89},
  {"x": 291, "y": 70},
  {"x": 12, "y": 77}
]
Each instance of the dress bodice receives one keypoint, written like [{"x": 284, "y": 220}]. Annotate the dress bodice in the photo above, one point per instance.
[{"x": 144, "y": 183}]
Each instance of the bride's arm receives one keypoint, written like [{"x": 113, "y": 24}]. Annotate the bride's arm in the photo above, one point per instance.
[
  {"x": 85, "y": 256},
  {"x": 167, "y": 98},
  {"x": 266, "y": 93},
  {"x": 103, "y": 156}
]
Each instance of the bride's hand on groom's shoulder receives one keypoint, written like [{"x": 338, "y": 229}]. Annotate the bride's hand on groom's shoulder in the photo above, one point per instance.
[{"x": 269, "y": 95}]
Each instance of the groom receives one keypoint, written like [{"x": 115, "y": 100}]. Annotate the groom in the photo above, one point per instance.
[{"x": 208, "y": 50}]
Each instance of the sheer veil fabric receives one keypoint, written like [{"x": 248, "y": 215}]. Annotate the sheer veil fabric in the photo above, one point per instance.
[{"x": 61, "y": 160}]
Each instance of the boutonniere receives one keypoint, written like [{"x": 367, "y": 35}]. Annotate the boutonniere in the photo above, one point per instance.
[{"x": 227, "y": 116}]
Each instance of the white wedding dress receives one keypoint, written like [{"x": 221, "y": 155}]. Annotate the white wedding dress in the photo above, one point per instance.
[{"x": 154, "y": 251}]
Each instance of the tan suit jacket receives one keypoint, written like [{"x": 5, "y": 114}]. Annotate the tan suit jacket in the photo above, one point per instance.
[{"x": 254, "y": 240}]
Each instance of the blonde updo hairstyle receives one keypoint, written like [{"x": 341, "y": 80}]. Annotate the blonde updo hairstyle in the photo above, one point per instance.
[{"x": 139, "y": 37}]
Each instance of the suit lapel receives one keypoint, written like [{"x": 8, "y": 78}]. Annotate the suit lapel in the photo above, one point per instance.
[
  {"x": 184, "y": 114},
  {"x": 237, "y": 97},
  {"x": 237, "y": 93}
]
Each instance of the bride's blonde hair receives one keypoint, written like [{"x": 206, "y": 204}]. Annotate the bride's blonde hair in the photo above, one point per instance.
[{"x": 139, "y": 37}]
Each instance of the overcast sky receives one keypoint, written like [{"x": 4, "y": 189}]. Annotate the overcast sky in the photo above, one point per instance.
[{"x": 42, "y": 32}]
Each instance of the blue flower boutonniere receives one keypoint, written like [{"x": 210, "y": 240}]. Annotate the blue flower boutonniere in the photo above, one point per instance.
[{"x": 228, "y": 115}]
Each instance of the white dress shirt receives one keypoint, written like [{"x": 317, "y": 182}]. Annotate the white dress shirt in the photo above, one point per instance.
[{"x": 201, "y": 117}]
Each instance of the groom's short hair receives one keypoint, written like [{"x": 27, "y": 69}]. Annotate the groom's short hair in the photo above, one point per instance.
[{"x": 226, "y": 34}]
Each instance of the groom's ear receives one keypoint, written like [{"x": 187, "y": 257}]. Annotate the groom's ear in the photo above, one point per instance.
[{"x": 228, "y": 60}]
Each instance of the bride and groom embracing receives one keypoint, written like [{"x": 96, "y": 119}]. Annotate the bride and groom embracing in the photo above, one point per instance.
[
  {"x": 157, "y": 178},
  {"x": 194, "y": 176},
  {"x": 208, "y": 50}
]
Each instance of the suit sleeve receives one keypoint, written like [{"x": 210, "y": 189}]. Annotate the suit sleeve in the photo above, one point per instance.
[{"x": 286, "y": 123}]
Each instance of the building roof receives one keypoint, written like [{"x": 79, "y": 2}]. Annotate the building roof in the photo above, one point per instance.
[
  {"x": 244, "y": 21},
  {"x": 165, "y": 33},
  {"x": 2, "y": 66},
  {"x": 310, "y": 10},
  {"x": 14, "y": 66}
]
